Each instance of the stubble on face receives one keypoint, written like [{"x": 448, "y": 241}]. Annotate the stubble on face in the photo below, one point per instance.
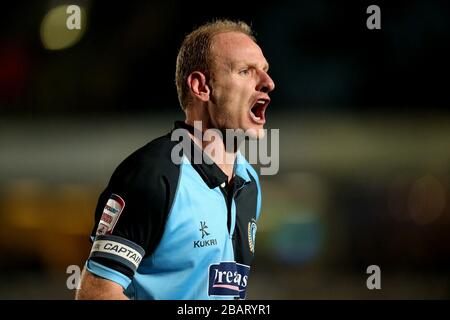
[{"x": 231, "y": 94}]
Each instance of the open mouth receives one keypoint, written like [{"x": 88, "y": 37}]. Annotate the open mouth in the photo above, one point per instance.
[{"x": 257, "y": 112}]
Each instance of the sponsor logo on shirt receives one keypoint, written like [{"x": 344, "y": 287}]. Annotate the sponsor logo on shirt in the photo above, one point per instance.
[
  {"x": 228, "y": 279},
  {"x": 204, "y": 242},
  {"x": 203, "y": 228},
  {"x": 110, "y": 215}
]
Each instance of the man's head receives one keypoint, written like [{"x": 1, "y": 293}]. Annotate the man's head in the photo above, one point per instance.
[{"x": 221, "y": 72}]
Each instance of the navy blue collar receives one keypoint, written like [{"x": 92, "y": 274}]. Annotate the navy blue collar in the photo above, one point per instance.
[{"x": 208, "y": 170}]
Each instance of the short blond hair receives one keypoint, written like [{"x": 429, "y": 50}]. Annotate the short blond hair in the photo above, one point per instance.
[{"x": 195, "y": 52}]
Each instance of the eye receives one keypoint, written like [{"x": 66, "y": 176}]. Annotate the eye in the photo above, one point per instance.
[{"x": 244, "y": 72}]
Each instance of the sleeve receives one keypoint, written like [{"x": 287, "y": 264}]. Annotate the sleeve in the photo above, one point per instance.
[{"x": 129, "y": 221}]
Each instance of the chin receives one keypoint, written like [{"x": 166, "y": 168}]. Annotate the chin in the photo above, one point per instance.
[
  {"x": 260, "y": 133},
  {"x": 255, "y": 132}
]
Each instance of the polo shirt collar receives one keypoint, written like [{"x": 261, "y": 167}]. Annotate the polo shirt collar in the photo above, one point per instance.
[
  {"x": 211, "y": 173},
  {"x": 240, "y": 167}
]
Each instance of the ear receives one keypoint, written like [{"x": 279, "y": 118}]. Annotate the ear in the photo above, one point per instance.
[{"x": 199, "y": 88}]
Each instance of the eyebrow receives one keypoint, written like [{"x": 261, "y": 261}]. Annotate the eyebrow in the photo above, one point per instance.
[{"x": 253, "y": 65}]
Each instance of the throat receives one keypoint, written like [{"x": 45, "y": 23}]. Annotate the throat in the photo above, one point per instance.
[
  {"x": 219, "y": 154},
  {"x": 227, "y": 169}
]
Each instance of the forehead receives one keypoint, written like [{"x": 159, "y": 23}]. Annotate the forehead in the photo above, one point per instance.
[{"x": 235, "y": 47}]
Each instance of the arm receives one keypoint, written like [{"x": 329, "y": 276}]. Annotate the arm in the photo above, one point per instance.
[
  {"x": 93, "y": 287},
  {"x": 129, "y": 216}
]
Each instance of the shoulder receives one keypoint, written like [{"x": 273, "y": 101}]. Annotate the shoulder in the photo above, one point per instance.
[
  {"x": 150, "y": 162},
  {"x": 254, "y": 177},
  {"x": 252, "y": 172}
]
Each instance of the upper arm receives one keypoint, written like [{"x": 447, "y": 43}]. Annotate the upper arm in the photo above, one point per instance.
[{"x": 130, "y": 218}]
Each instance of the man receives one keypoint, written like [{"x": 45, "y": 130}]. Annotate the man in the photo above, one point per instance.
[{"x": 171, "y": 230}]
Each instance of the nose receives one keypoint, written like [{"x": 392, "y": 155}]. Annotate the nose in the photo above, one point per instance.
[{"x": 265, "y": 83}]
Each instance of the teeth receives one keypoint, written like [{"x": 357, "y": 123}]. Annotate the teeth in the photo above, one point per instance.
[{"x": 262, "y": 103}]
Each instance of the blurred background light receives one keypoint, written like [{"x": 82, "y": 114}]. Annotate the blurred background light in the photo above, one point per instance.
[
  {"x": 427, "y": 200},
  {"x": 298, "y": 239},
  {"x": 54, "y": 33}
]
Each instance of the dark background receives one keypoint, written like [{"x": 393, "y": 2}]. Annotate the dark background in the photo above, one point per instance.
[
  {"x": 325, "y": 59},
  {"x": 364, "y": 138}
]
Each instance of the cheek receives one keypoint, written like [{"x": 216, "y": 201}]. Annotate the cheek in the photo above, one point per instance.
[
  {"x": 227, "y": 100},
  {"x": 231, "y": 100}
]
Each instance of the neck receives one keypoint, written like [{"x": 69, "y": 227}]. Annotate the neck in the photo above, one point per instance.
[{"x": 212, "y": 144}]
